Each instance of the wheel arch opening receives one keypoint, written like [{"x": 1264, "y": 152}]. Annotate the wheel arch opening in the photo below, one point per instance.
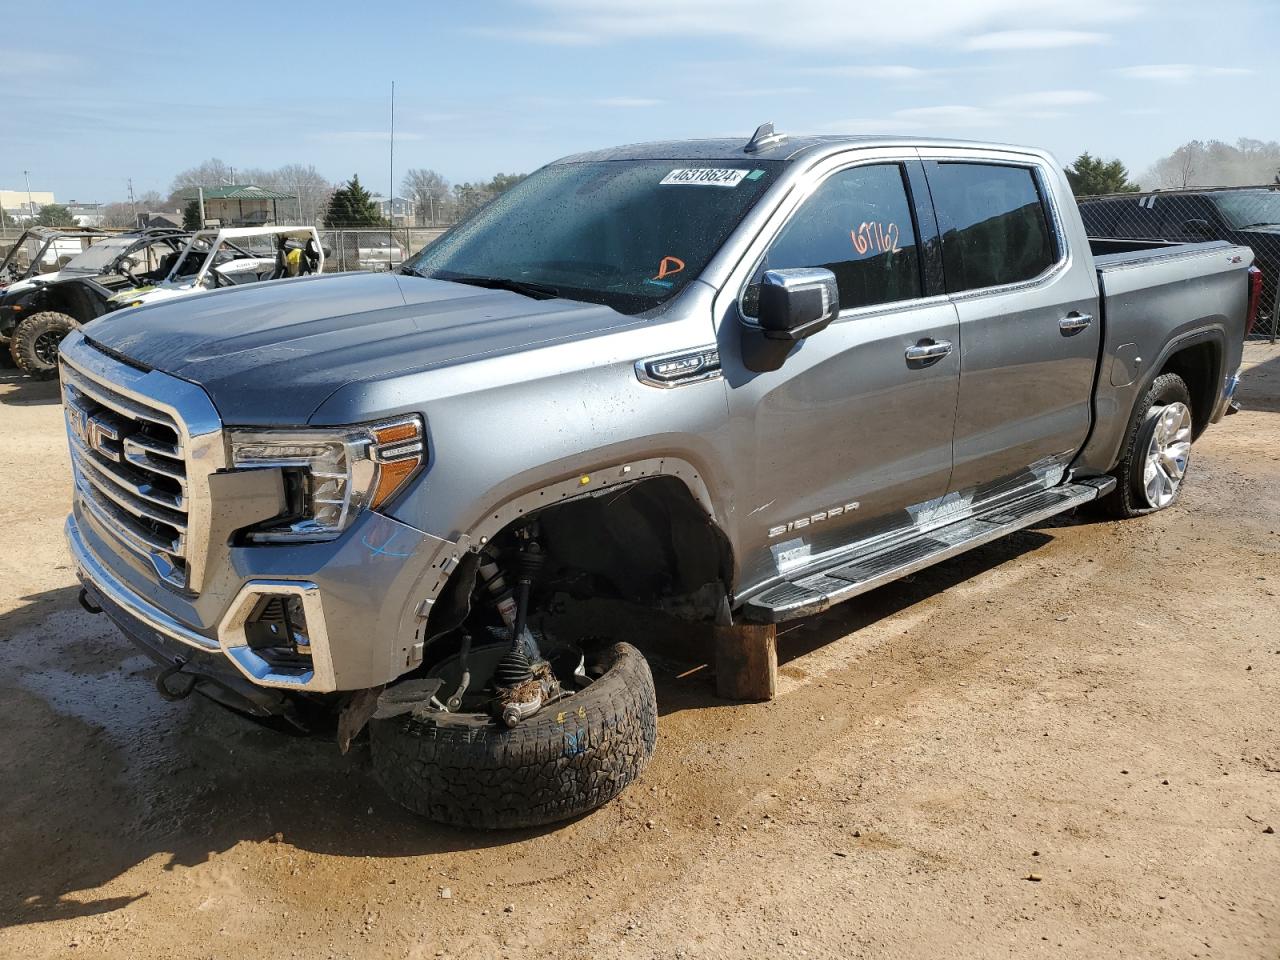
[
  {"x": 649, "y": 543},
  {"x": 1198, "y": 365}
]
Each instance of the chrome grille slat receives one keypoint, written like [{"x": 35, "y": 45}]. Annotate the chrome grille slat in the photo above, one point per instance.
[
  {"x": 121, "y": 404},
  {"x": 153, "y": 465},
  {"x": 126, "y": 473},
  {"x": 159, "y": 441},
  {"x": 120, "y": 523},
  {"x": 149, "y": 446},
  {"x": 125, "y": 496}
]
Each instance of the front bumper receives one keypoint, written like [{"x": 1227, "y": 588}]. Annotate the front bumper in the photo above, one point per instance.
[{"x": 361, "y": 604}]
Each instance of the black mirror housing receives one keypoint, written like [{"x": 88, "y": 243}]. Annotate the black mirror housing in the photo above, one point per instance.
[
  {"x": 1201, "y": 228},
  {"x": 797, "y": 303}
]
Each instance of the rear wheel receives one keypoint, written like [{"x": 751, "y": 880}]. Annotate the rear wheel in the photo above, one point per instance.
[
  {"x": 35, "y": 343},
  {"x": 574, "y": 755},
  {"x": 1158, "y": 451}
]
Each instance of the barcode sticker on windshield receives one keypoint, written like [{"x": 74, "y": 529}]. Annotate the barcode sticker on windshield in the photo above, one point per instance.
[{"x": 704, "y": 177}]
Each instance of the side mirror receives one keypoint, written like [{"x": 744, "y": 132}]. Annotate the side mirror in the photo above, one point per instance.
[
  {"x": 1198, "y": 227},
  {"x": 797, "y": 303}
]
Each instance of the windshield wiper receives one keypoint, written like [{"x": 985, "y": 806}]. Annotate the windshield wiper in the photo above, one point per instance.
[
  {"x": 1260, "y": 223},
  {"x": 527, "y": 288}
]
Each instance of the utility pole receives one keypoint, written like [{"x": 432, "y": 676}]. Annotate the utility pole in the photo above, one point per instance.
[
  {"x": 31, "y": 207},
  {"x": 201, "y": 191},
  {"x": 133, "y": 207},
  {"x": 391, "y": 213}
]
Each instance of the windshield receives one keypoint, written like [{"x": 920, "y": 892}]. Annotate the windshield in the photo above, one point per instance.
[
  {"x": 99, "y": 255},
  {"x": 1249, "y": 208},
  {"x": 17, "y": 262},
  {"x": 626, "y": 233}
]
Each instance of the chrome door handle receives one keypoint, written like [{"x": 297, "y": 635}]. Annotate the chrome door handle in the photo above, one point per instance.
[
  {"x": 929, "y": 350},
  {"x": 1075, "y": 321}
]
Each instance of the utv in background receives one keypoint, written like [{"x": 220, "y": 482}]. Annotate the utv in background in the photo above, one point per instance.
[
  {"x": 42, "y": 251},
  {"x": 37, "y": 312},
  {"x": 231, "y": 257}
]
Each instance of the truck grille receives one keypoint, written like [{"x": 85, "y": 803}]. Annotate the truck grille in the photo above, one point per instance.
[{"x": 130, "y": 469}]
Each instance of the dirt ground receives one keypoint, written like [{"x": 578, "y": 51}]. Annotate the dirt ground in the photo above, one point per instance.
[{"x": 1064, "y": 744}]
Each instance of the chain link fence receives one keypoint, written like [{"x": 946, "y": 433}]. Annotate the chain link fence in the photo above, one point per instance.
[
  {"x": 1248, "y": 216},
  {"x": 382, "y": 249}
]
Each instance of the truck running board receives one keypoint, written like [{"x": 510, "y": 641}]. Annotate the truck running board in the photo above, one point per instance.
[{"x": 814, "y": 592}]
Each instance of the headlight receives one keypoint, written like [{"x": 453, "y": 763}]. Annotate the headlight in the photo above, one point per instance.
[{"x": 330, "y": 474}]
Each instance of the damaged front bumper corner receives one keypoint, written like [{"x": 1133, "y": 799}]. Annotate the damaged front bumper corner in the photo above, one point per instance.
[{"x": 346, "y": 651}]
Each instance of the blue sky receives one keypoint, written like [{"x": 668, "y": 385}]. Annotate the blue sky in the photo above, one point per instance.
[{"x": 96, "y": 93}]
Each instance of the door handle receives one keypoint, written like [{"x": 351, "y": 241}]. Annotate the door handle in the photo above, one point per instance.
[
  {"x": 927, "y": 350},
  {"x": 1074, "y": 321}
]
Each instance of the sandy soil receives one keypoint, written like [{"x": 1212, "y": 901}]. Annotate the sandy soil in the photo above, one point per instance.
[{"x": 1065, "y": 744}]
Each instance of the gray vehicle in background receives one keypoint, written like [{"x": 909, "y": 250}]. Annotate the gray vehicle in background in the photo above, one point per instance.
[
  {"x": 737, "y": 382},
  {"x": 1249, "y": 216}
]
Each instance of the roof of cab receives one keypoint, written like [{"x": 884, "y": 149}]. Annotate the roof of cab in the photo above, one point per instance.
[{"x": 781, "y": 147}]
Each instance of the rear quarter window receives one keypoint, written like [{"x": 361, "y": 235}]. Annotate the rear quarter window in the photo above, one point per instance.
[{"x": 995, "y": 229}]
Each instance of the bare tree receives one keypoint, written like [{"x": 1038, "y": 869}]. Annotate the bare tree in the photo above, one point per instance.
[
  {"x": 428, "y": 190},
  {"x": 211, "y": 173},
  {"x": 1214, "y": 163}
]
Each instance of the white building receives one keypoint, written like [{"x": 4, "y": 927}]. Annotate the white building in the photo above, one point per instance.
[
  {"x": 404, "y": 208},
  {"x": 18, "y": 205}
]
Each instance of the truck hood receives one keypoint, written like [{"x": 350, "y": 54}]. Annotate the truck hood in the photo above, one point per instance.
[{"x": 272, "y": 352}]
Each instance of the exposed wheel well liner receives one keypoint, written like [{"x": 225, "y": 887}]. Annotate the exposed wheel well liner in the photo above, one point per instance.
[
  {"x": 649, "y": 542},
  {"x": 1199, "y": 366}
]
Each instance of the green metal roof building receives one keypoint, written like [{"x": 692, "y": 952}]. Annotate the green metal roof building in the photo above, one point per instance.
[{"x": 244, "y": 205}]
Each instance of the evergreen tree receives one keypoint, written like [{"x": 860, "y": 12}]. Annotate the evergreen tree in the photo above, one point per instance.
[
  {"x": 191, "y": 215},
  {"x": 1091, "y": 176},
  {"x": 352, "y": 206}
]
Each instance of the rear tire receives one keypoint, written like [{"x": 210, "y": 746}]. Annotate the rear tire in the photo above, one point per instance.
[
  {"x": 571, "y": 757},
  {"x": 1156, "y": 453},
  {"x": 35, "y": 343}
]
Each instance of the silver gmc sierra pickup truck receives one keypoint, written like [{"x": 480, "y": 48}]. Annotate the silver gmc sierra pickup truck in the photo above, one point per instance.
[{"x": 738, "y": 381}]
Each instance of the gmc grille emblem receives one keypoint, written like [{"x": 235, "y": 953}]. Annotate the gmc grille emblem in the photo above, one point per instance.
[{"x": 95, "y": 432}]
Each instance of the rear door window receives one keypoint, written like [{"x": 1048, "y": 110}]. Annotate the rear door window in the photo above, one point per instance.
[
  {"x": 1184, "y": 217},
  {"x": 858, "y": 225},
  {"x": 995, "y": 229}
]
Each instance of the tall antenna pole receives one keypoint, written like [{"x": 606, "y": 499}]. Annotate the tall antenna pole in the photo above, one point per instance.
[
  {"x": 391, "y": 207},
  {"x": 132, "y": 205}
]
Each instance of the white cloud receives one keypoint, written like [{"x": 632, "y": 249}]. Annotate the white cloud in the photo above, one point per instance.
[
  {"x": 627, "y": 102},
  {"x": 950, "y": 116},
  {"x": 1037, "y": 105},
  {"x": 1179, "y": 72},
  {"x": 1034, "y": 40},
  {"x": 922, "y": 120},
  {"x": 813, "y": 24},
  {"x": 1048, "y": 99},
  {"x": 886, "y": 71}
]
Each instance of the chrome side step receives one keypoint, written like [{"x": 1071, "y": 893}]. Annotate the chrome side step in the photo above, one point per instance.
[{"x": 812, "y": 593}]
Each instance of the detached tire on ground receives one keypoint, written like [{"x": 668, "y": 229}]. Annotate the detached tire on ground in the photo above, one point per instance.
[
  {"x": 574, "y": 755},
  {"x": 35, "y": 343},
  {"x": 1156, "y": 452}
]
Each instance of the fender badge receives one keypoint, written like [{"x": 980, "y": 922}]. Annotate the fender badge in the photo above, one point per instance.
[{"x": 812, "y": 519}]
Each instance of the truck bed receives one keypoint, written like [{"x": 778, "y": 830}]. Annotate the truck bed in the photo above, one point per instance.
[{"x": 1151, "y": 295}]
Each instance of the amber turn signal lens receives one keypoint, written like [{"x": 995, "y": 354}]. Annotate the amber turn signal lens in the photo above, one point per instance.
[
  {"x": 390, "y": 476},
  {"x": 396, "y": 433}
]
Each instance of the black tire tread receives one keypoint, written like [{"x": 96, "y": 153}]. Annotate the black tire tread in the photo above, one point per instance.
[
  {"x": 1122, "y": 503},
  {"x": 569, "y": 758},
  {"x": 22, "y": 344}
]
